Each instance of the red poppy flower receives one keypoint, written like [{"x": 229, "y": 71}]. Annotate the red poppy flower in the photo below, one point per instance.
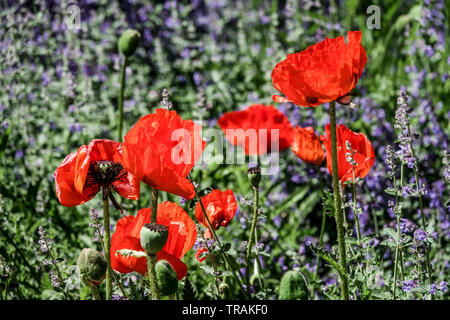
[
  {"x": 322, "y": 73},
  {"x": 161, "y": 149},
  {"x": 307, "y": 146},
  {"x": 252, "y": 129},
  {"x": 182, "y": 235},
  {"x": 97, "y": 165},
  {"x": 200, "y": 251},
  {"x": 362, "y": 148},
  {"x": 220, "y": 206}
]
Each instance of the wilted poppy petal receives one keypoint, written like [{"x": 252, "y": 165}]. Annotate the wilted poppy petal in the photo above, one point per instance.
[{"x": 201, "y": 251}]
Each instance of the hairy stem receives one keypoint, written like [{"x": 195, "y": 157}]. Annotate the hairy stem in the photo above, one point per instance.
[
  {"x": 155, "y": 193},
  {"x": 151, "y": 263},
  {"x": 355, "y": 210},
  {"x": 251, "y": 236},
  {"x": 107, "y": 242},
  {"x": 94, "y": 290},
  {"x": 120, "y": 97},
  {"x": 338, "y": 215}
]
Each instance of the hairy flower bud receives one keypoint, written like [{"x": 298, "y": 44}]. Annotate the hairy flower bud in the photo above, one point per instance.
[
  {"x": 153, "y": 237},
  {"x": 166, "y": 277},
  {"x": 128, "y": 42},
  {"x": 293, "y": 286},
  {"x": 92, "y": 266},
  {"x": 254, "y": 175}
]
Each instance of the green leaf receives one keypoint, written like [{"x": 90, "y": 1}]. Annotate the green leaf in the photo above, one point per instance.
[
  {"x": 327, "y": 257},
  {"x": 189, "y": 291},
  {"x": 208, "y": 269}
]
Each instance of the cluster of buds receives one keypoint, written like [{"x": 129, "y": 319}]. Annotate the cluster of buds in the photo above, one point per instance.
[{"x": 349, "y": 154}]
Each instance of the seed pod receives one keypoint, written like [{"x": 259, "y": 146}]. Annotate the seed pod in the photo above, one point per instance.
[
  {"x": 254, "y": 175},
  {"x": 166, "y": 277},
  {"x": 128, "y": 42},
  {"x": 293, "y": 286},
  {"x": 153, "y": 237},
  {"x": 92, "y": 266}
]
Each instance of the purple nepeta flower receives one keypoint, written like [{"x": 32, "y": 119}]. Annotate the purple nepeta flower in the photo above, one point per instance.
[
  {"x": 19, "y": 154},
  {"x": 420, "y": 235},
  {"x": 408, "y": 285},
  {"x": 443, "y": 286}
]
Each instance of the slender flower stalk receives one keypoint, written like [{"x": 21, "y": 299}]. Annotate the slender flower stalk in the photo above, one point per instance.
[
  {"x": 355, "y": 210},
  {"x": 422, "y": 214},
  {"x": 339, "y": 216},
  {"x": 398, "y": 247},
  {"x": 151, "y": 259},
  {"x": 107, "y": 241},
  {"x": 252, "y": 234},
  {"x": 116, "y": 280},
  {"x": 151, "y": 264},
  {"x": 322, "y": 230},
  {"x": 94, "y": 290},
  {"x": 120, "y": 97},
  {"x": 220, "y": 245}
]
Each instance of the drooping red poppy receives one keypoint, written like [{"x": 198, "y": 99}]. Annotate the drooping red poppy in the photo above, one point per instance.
[
  {"x": 161, "y": 149},
  {"x": 220, "y": 206},
  {"x": 323, "y": 72},
  {"x": 362, "y": 148},
  {"x": 307, "y": 146},
  {"x": 182, "y": 235},
  {"x": 83, "y": 173},
  {"x": 253, "y": 129}
]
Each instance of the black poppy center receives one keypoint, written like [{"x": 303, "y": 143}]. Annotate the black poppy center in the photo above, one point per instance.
[{"x": 103, "y": 174}]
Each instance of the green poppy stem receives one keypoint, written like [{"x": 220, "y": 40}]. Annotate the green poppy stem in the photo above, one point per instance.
[
  {"x": 338, "y": 215},
  {"x": 107, "y": 241},
  {"x": 151, "y": 264},
  {"x": 120, "y": 97},
  {"x": 155, "y": 193},
  {"x": 151, "y": 259},
  {"x": 94, "y": 290},
  {"x": 252, "y": 233},
  {"x": 355, "y": 210}
]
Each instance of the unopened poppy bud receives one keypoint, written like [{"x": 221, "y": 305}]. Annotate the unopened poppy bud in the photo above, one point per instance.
[
  {"x": 224, "y": 288},
  {"x": 293, "y": 286},
  {"x": 153, "y": 237},
  {"x": 92, "y": 266},
  {"x": 254, "y": 175},
  {"x": 166, "y": 277},
  {"x": 128, "y": 42}
]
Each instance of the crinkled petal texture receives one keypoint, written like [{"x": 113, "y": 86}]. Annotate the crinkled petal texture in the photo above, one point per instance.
[
  {"x": 364, "y": 155},
  {"x": 161, "y": 149},
  {"x": 321, "y": 73},
  {"x": 307, "y": 146},
  {"x": 220, "y": 206},
  {"x": 182, "y": 235},
  {"x": 259, "y": 129},
  {"x": 74, "y": 185}
]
